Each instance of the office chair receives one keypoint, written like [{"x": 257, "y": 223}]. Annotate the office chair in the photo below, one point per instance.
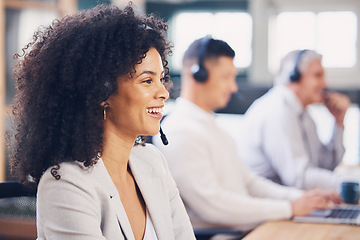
[
  {"x": 17, "y": 211},
  {"x": 16, "y": 189}
]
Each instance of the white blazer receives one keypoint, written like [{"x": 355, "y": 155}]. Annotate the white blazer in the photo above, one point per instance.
[{"x": 85, "y": 204}]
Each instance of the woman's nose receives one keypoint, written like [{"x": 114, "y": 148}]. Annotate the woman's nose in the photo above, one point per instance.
[{"x": 163, "y": 92}]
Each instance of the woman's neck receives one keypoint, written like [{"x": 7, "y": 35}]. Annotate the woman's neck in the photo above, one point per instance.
[{"x": 116, "y": 152}]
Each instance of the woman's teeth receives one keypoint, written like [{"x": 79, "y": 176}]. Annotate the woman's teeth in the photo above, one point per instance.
[{"x": 154, "y": 110}]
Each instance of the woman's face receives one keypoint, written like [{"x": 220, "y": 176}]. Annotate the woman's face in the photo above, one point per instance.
[{"x": 136, "y": 108}]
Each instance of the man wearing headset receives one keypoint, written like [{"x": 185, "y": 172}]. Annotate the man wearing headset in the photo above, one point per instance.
[
  {"x": 279, "y": 139},
  {"x": 217, "y": 188}
]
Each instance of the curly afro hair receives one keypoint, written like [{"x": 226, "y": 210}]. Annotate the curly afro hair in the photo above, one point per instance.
[{"x": 64, "y": 75}]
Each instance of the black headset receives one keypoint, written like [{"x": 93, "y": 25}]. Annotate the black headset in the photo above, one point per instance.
[
  {"x": 295, "y": 74},
  {"x": 198, "y": 70}
]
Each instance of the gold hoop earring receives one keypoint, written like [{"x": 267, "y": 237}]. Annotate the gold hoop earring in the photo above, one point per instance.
[{"x": 106, "y": 105}]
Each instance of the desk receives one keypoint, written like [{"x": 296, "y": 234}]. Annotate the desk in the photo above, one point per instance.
[
  {"x": 286, "y": 230},
  {"x": 17, "y": 228}
]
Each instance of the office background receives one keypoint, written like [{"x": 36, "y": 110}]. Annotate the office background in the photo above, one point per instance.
[{"x": 260, "y": 31}]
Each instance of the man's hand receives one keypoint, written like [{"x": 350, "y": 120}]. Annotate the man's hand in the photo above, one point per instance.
[
  {"x": 337, "y": 104},
  {"x": 331, "y": 196},
  {"x": 312, "y": 200}
]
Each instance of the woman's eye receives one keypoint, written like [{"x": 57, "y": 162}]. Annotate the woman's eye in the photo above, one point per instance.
[{"x": 148, "y": 81}]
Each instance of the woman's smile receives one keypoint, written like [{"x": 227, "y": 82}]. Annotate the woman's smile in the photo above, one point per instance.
[{"x": 155, "y": 112}]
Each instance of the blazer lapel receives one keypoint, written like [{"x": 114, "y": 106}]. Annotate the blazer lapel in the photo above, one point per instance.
[
  {"x": 155, "y": 196},
  {"x": 122, "y": 218},
  {"x": 117, "y": 205}
]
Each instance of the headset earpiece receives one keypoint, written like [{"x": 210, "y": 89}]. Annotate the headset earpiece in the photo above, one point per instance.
[
  {"x": 198, "y": 70},
  {"x": 200, "y": 73},
  {"x": 295, "y": 74}
]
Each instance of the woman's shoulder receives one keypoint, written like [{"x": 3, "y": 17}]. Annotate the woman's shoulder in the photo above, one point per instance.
[
  {"x": 73, "y": 174},
  {"x": 67, "y": 169}
]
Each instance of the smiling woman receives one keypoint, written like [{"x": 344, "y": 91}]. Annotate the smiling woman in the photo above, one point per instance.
[{"x": 88, "y": 86}]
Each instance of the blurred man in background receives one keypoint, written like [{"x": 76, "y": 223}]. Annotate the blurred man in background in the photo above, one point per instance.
[{"x": 279, "y": 139}]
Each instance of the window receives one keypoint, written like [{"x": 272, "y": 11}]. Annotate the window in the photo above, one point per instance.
[
  {"x": 29, "y": 21},
  {"x": 332, "y": 34},
  {"x": 233, "y": 27}
]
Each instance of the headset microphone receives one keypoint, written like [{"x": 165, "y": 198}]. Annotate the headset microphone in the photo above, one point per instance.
[{"x": 163, "y": 137}]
